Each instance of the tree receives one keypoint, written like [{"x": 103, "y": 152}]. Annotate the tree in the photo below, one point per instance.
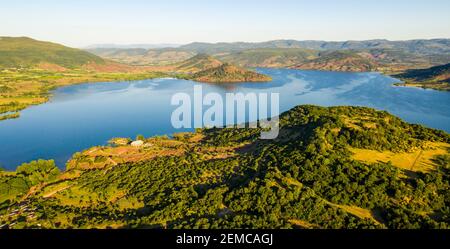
[
  {"x": 38, "y": 171},
  {"x": 140, "y": 137}
]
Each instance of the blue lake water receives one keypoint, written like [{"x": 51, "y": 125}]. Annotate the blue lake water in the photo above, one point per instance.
[{"x": 81, "y": 116}]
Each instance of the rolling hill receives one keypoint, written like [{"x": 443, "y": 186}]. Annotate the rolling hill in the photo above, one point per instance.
[
  {"x": 197, "y": 63},
  {"x": 141, "y": 56},
  {"x": 437, "y": 77},
  {"x": 347, "y": 61},
  {"x": 269, "y": 57},
  {"x": 26, "y": 52}
]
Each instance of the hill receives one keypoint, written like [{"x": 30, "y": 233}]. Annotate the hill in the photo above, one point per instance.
[
  {"x": 18, "y": 52},
  {"x": 339, "y": 61},
  {"x": 269, "y": 57},
  {"x": 227, "y": 73},
  {"x": 141, "y": 56},
  {"x": 205, "y": 68},
  {"x": 437, "y": 77},
  {"x": 329, "y": 168},
  {"x": 197, "y": 63}
]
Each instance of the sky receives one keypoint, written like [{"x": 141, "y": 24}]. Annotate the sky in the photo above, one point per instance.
[{"x": 80, "y": 23}]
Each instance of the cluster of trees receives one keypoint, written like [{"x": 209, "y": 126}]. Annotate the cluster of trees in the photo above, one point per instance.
[{"x": 13, "y": 185}]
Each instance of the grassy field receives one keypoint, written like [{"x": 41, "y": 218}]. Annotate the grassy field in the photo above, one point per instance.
[
  {"x": 359, "y": 212},
  {"x": 303, "y": 224},
  {"x": 420, "y": 160}
]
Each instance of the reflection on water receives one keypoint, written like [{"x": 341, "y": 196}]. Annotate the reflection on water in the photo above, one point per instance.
[{"x": 84, "y": 115}]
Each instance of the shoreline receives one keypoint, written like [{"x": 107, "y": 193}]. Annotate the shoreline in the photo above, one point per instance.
[
  {"x": 118, "y": 77},
  {"x": 420, "y": 86}
]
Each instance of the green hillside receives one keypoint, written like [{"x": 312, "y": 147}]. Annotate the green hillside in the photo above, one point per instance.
[
  {"x": 437, "y": 77},
  {"x": 319, "y": 173},
  {"x": 16, "y": 52}
]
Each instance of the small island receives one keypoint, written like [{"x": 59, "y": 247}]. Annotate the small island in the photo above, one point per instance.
[
  {"x": 206, "y": 68},
  {"x": 227, "y": 73}
]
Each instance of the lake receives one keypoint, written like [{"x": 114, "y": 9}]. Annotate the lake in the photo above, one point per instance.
[{"x": 81, "y": 116}]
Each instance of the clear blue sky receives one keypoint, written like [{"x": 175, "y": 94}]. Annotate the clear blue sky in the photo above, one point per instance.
[{"x": 84, "y": 22}]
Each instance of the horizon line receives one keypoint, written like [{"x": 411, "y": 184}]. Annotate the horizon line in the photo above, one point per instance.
[{"x": 223, "y": 42}]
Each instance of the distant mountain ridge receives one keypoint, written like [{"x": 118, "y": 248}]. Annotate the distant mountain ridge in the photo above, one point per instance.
[
  {"x": 128, "y": 46},
  {"x": 389, "y": 56},
  {"x": 431, "y": 46}
]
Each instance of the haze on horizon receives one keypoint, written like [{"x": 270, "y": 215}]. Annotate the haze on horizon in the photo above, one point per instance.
[{"x": 85, "y": 22}]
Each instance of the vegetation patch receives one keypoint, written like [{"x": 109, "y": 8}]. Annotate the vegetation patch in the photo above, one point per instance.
[{"x": 420, "y": 160}]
